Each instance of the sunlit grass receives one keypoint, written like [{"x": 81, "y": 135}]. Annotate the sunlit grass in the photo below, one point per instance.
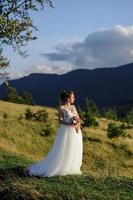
[{"x": 107, "y": 163}]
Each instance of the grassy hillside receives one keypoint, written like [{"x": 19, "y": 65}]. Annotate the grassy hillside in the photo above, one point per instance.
[{"x": 107, "y": 163}]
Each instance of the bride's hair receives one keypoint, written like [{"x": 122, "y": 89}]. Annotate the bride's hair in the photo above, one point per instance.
[{"x": 64, "y": 95}]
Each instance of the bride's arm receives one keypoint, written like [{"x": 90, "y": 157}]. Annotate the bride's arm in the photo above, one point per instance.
[{"x": 61, "y": 117}]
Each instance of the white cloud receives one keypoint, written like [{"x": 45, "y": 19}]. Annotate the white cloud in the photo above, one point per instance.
[
  {"x": 40, "y": 69},
  {"x": 48, "y": 69},
  {"x": 103, "y": 48},
  {"x": 15, "y": 75}
]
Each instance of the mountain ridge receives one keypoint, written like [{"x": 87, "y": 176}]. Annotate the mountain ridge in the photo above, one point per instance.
[{"x": 106, "y": 86}]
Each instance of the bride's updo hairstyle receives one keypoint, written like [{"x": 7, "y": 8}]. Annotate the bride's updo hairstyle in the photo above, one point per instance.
[{"x": 64, "y": 95}]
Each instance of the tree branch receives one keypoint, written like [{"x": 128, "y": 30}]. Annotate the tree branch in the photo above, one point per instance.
[{"x": 12, "y": 10}]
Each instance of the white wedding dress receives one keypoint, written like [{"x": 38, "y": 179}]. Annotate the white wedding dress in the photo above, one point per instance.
[{"x": 65, "y": 156}]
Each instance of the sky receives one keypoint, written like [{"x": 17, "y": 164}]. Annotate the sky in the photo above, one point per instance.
[{"x": 77, "y": 34}]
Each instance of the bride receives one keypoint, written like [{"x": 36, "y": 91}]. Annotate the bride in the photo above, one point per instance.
[{"x": 65, "y": 156}]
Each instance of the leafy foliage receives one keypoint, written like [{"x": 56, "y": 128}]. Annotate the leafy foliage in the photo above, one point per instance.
[
  {"x": 40, "y": 115},
  {"x": 4, "y": 62},
  {"x": 27, "y": 97},
  {"x": 16, "y": 25},
  {"x": 15, "y": 97},
  {"x": 47, "y": 130},
  {"x": 115, "y": 130},
  {"x": 5, "y": 115},
  {"x": 91, "y": 107},
  {"x": 89, "y": 120},
  {"x": 111, "y": 114},
  {"x": 89, "y": 113},
  {"x": 129, "y": 116},
  {"x": 29, "y": 115}
]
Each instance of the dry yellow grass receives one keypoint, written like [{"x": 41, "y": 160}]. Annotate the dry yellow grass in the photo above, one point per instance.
[
  {"x": 14, "y": 110},
  {"x": 102, "y": 156}
]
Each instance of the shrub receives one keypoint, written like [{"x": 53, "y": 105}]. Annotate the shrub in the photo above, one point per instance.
[
  {"x": 114, "y": 130},
  {"x": 129, "y": 117},
  {"x": 20, "y": 116},
  {"x": 89, "y": 120},
  {"x": 5, "y": 115},
  {"x": 47, "y": 130},
  {"x": 41, "y": 115},
  {"x": 91, "y": 107},
  {"x": 89, "y": 113},
  {"x": 124, "y": 126},
  {"x": 29, "y": 115},
  {"x": 111, "y": 114}
]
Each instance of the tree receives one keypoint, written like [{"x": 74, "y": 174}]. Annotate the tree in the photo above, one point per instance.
[
  {"x": 16, "y": 25},
  {"x": 91, "y": 107},
  {"x": 115, "y": 130},
  {"x": 12, "y": 95},
  {"x": 27, "y": 97},
  {"x": 129, "y": 116},
  {"x": 111, "y": 114},
  {"x": 89, "y": 114}
]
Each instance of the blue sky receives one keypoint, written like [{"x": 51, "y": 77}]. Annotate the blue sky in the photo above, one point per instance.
[{"x": 78, "y": 34}]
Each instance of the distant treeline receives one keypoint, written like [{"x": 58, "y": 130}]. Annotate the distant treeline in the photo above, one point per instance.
[
  {"x": 12, "y": 95},
  {"x": 122, "y": 112}
]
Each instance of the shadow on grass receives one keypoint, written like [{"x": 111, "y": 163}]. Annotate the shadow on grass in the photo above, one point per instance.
[
  {"x": 22, "y": 172},
  {"x": 18, "y": 184},
  {"x": 17, "y": 171}
]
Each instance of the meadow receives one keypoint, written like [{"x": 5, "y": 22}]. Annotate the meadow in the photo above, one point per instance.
[{"x": 107, "y": 163}]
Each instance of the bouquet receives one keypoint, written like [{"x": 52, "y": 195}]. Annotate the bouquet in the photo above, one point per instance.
[{"x": 76, "y": 121}]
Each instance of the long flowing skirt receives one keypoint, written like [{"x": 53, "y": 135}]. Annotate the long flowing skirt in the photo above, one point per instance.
[{"x": 65, "y": 156}]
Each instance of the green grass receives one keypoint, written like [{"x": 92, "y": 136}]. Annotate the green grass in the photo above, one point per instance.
[
  {"x": 17, "y": 184},
  {"x": 107, "y": 163}
]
